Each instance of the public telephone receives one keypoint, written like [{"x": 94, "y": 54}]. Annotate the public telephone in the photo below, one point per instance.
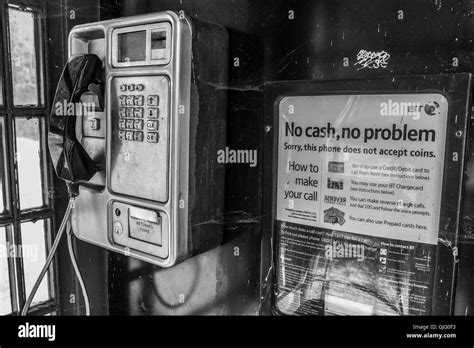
[{"x": 137, "y": 121}]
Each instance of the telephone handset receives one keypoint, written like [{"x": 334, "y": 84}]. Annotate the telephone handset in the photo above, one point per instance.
[{"x": 82, "y": 74}]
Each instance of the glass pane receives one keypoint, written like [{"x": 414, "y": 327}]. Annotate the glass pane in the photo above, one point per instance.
[
  {"x": 33, "y": 248},
  {"x": 3, "y": 167},
  {"x": 23, "y": 57},
  {"x": 29, "y": 162},
  {"x": 1, "y": 81},
  {"x": 5, "y": 300}
]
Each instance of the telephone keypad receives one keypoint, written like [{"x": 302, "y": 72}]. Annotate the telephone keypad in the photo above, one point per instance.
[
  {"x": 152, "y": 137},
  {"x": 139, "y": 100},
  {"x": 153, "y": 112},
  {"x": 130, "y": 100},
  {"x": 140, "y": 128},
  {"x": 138, "y": 124},
  {"x": 132, "y": 112},
  {"x": 129, "y": 112},
  {"x": 138, "y": 112},
  {"x": 132, "y": 87},
  {"x": 153, "y": 100},
  {"x": 152, "y": 125},
  {"x": 129, "y": 135},
  {"x": 138, "y": 136},
  {"x": 129, "y": 124}
]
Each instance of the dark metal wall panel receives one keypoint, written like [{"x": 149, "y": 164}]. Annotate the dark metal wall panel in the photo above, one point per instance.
[
  {"x": 286, "y": 40},
  {"x": 423, "y": 36},
  {"x": 464, "y": 298}
]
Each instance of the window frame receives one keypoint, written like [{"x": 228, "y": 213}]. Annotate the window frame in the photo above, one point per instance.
[
  {"x": 39, "y": 55},
  {"x": 3, "y": 166},
  {"x": 14, "y": 216}
]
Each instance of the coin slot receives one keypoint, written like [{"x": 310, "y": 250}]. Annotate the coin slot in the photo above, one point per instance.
[{"x": 145, "y": 225}]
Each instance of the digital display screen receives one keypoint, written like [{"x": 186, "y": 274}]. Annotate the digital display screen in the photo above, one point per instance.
[{"x": 132, "y": 46}]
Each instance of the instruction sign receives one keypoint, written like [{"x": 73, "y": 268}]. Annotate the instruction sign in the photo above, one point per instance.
[{"x": 358, "y": 202}]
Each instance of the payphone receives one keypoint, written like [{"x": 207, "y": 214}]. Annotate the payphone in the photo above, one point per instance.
[{"x": 140, "y": 132}]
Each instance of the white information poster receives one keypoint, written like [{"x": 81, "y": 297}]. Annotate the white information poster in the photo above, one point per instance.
[
  {"x": 365, "y": 164},
  {"x": 360, "y": 181}
]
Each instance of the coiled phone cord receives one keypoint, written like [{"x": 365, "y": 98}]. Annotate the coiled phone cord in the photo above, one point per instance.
[{"x": 49, "y": 259}]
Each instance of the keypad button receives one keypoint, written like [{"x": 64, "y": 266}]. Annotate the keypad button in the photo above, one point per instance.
[
  {"x": 122, "y": 135},
  {"x": 152, "y": 125},
  {"x": 122, "y": 124},
  {"x": 130, "y": 100},
  {"x": 122, "y": 100},
  {"x": 152, "y": 100},
  {"x": 123, "y": 88},
  {"x": 129, "y": 112},
  {"x": 138, "y": 100},
  {"x": 94, "y": 123},
  {"x": 138, "y": 112},
  {"x": 152, "y": 112},
  {"x": 131, "y": 87},
  {"x": 152, "y": 137},
  {"x": 129, "y": 135},
  {"x": 122, "y": 112},
  {"x": 140, "y": 87},
  {"x": 138, "y": 136},
  {"x": 129, "y": 124},
  {"x": 138, "y": 124}
]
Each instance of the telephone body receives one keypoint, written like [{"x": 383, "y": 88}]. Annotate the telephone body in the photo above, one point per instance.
[{"x": 153, "y": 133}]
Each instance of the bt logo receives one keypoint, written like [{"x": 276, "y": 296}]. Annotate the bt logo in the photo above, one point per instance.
[{"x": 432, "y": 108}]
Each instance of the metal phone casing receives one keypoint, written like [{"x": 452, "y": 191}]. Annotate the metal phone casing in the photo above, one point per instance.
[{"x": 188, "y": 191}]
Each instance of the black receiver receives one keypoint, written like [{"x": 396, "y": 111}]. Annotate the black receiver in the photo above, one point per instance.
[{"x": 82, "y": 74}]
